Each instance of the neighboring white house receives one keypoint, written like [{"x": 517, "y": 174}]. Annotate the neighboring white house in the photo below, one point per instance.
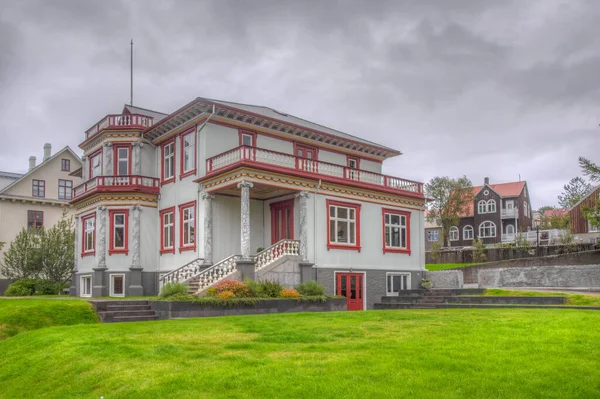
[
  {"x": 192, "y": 196},
  {"x": 38, "y": 197}
]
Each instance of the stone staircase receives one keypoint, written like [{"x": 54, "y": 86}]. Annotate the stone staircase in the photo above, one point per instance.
[
  {"x": 415, "y": 299},
  {"x": 120, "y": 311}
]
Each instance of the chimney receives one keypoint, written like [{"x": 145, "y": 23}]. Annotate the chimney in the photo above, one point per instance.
[
  {"x": 47, "y": 151},
  {"x": 31, "y": 163},
  {"x": 486, "y": 180}
]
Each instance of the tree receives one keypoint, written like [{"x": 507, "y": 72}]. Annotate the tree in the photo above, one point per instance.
[
  {"x": 574, "y": 191},
  {"x": 552, "y": 218},
  {"x": 57, "y": 246},
  {"x": 451, "y": 198},
  {"x": 22, "y": 259},
  {"x": 589, "y": 169}
]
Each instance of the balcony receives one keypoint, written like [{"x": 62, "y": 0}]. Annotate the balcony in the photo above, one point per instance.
[
  {"x": 509, "y": 213},
  {"x": 119, "y": 122},
  {"x": 102, "y": 184},
  {"x": 508, "y": 237},
  {"x": 286, "y": 163}
]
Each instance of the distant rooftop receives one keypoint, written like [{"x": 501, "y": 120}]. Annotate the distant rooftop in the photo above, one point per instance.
[{"x": 10, "y": 175}]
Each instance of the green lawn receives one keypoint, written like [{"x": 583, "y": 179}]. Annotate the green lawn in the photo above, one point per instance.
[
  {"x": 432, "y": 267},
  {"x": 572, "y": 299},
  {"x": 20, "y": 315},
  {"x": 450, "y": 353}
]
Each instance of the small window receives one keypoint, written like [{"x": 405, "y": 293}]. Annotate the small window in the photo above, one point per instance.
[
  {"x": 510, "y": 229},
  {"x": 65, "y": 165},
  {"x": 433, "y": 235},
  {"x": 343, "y": 221},
  {"x": 189, "y": 152},
  {"x": 167, "y": 230},
  {"x": 89, "y": 235},
  {"x": 468, "y": 233},
  {"x": 35, "y": 219},
  {"x": 118, "y": 231},
  {"x": 168, "y": 161},
  {"x": 96, "y": 165},
  {"x": 39, "y": 188},
  {"x": 247, "y": 139},
  {"x": 454, "y": 233},
  {"x": 397, "y": 282},
  {"x": 487, "y": 229},
  {"x": 525, "y": 209},
  {"x": 85, "y": 287},
  {"x": 188, "y": 227},
  {"x": 491, "y": 206},
  {"x": 396, "y": 232},
  {"x": 65, "y": 189},
  {"x": 122, "y": 160},
  {"x": 481, "y": 207},
  {"x": 117, "y": 285}
]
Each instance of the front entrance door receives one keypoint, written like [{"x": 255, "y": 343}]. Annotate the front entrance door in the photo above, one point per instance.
[
  {"x": 282, "y": 220},
  {"x": 351, "y": 285}
]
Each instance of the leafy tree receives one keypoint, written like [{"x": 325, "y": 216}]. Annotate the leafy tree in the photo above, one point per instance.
[
  {"x": 22, "y": 259},
  {"x": 573, "y": 192},
  {"x": 553, "y": 220},
  {"x": 592, "y": 214},
  {"x": 451, "y": 198},
  {"x": 57, "y": 246},
  {"x": 589, "y": 169}
]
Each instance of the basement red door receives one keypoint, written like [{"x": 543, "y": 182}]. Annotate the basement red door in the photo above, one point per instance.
[
  {"x": 351, "y": 285},
  {"x": 282, "y": 221}
]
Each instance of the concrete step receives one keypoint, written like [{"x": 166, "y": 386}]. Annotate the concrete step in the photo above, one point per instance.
[
  {"x": 128, "y": 313},
  {"x": 123, "y": 302},
  {"x": 116, "y": 308},
  {"x": 134, "y": 318},
  {"x": 393, "y": 305}
]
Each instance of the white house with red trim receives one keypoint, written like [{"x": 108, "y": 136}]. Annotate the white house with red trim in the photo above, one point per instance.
[{"x": 197, "y": 195}]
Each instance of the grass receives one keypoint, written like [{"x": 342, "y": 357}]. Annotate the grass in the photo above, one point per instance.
[
  {"x": 450, "y": 353},
  {"x": 432, "y": 267},
  {"x": 21, "y": 315},
  {"x": 572, "y": 299}
]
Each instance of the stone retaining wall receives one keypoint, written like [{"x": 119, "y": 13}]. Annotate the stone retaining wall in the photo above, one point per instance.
[
  {"x": 541, "y": 276},
  {"x": 445, "y": 278}
]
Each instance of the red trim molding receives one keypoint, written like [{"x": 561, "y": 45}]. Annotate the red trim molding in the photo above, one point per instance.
[
  {"x": 241, "y": 132},
  {"x": 162, "y": 161},
  {"x": 184, "y": 174},
  {"x": 182, "y": 245},
  {"x": 351, "y": 158},
  {"x": 305, "y": 147},
  {"x": 275, "y": 208},
  {"x": 116, "y": 147},
  {"x": 407, "y": 214},
  {"x": 163, "y": 249},
  {"x": 111, "y": 247},
  {"x": 334, "y": 245},
  {"x": 91, "y": 252}
]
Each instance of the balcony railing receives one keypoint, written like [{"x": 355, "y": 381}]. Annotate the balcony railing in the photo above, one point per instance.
[
  {"x": 509, "y": 213},
  {"x": 317, "y": 168},
  {"x": 119, "y": 121},
  {"x": 118, "y": 183}
]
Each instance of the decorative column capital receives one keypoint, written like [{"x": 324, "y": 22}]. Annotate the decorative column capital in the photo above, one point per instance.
[
  {"x": 245, "y": 184},
  {"x": 138, "y": 144},
  {"x": 302, "y": 194},
  {"x": 136, "y": 208},
  {"x": 101, "y": 208},
  {"x": 83, "y": 158},
  {"x": 207, "y": 196},
  {"x": 108, "y": 144}
]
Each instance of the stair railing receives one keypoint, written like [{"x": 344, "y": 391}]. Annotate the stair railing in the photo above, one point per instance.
[{"x": 279, "y": 249}]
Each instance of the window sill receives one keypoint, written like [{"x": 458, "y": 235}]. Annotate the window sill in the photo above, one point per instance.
[
  {"x": 90, "y": 253},
  {"x": 397, "y": 250},
  {"x": 186, "y": 174},
  {"x": 188, "y": 248},
  {"x": 118, "y": 251},
  {"x": 170, "y": 180},
  {"x": 167, "y": 251},
  {"x": 341, "y": 246}
]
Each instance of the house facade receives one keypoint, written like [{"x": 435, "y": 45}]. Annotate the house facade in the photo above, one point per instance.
[
  {"x": 582, "y": 228},
  {"x": 498, "y": 212},
  {"x": 38, "y": 197},
  {"x": 197, "y": 195}
]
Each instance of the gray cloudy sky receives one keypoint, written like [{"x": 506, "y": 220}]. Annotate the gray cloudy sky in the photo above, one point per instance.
[{"x": 482, "y": 88}]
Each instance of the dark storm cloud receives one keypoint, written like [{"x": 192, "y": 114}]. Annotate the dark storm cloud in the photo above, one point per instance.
[{"x": 483, "y": 88}]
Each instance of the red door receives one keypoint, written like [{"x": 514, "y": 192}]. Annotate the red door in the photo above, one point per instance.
[
  {"x": 351, "y": 285},
  {"x": 282, "y": 220}
]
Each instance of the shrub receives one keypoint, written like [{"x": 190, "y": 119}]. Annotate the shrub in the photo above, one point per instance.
[
  {"x": 435, "y": 251},
  {"x": 479, "y": 254},
  {"x": 47, "y": 287},
  {"x": 170, "y": 290},
  {"x": 289, "y": 293},
  {"x": 225, "y": 295},
  {"x": 259, "y": 249},
  {"x": 426, "y": 284},
  {"x": 238, "y": 288},
  {"x": 33, "y": 286},
  {"x": 311, "y": 288},
  {"x": 271, "y": 289},
  {"x": 255, "y": 288}
]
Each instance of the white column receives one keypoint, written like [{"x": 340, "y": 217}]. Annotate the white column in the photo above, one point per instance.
[
  {"x": 135, "y": 238},
  {"x": 245, "y": 222},
  {"x": 137, "y": 158},
  {"x": 101, "y": 221},
  {"x": 303, "y": 199},
  {"x": 208, "y": 226},
  {"x": 107, "y": 157}
]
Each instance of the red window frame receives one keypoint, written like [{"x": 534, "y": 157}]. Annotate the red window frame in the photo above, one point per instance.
[
  {"x": 249, "y": 133},
  {"x": 65, "y": 165},
  {"x": 182, "y": 172},
  {"x": 116, "y": 147},
  {"x": 92, "y": 251},
  {"x": 31, "y": 217},
  {"x": 60, "y": 185},
  {"x": 163, "y": 249},
  {"x": 111, "y": 247},
  {"x": 335, "y": 245},
  {"x": 351, "y": 158},
  {"x": 90, "y": 158},
  {"x": 182, "y": 245},
  {"x": 41, "y": 188},
  {"x": 162, "y": 162},
  {"x": 305, "y": 147},
  {"x": 399, "y": 213}
]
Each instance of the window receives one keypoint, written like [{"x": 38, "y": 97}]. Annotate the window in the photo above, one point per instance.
[
  {"x": 454, "y": 233},
  {"x": 96, "y": 164},
  {"x": 119, "y": 237},
  {"x": 89, "y": 235},
  {"x": 167, "y": 232},
  {"x": 491, "y": 206},
  {"x": 168, "y": 165},
  {"x": 481, "y": 207},
  {"x": 65, "y": 164},
  {"x": 353, "y": 164},
  {"x": 510, "y": 230},
  {"x": 433, "y": 235},
  {"x": 487, "y": 229},
  {"x": 468, "y": 233},
  {"x": 397, "y": 282},
  {"x": 85, "y": 286},
  {"x": 343, "y": 220},
  {"x": 396, "y": 234},
  {"x": 247, "y": 138},
  {"x": 65, "y": 189},
  {"x": 117, "y": 285},
  {"x": 35, "y": 219},
  {"x": 188, "y": 154},
  {"x": 525, "y": 208},
  {"x": 187, "y": 225},
  {"x": 39, "y": 188},
  {"x": 122, "y": 160}
]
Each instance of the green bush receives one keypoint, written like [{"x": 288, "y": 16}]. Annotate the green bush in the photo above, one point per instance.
[
  {"x": 47, "y": 287},
  {"x": 33, "y": 286},
  {"x": 310, "y": 288},
  {"x": 255, "y": 287},
  {"x": 271, "y": 289},
  {"x": 170, "y": 290}
]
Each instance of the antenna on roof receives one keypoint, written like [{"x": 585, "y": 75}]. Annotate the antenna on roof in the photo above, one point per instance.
[{"x": 131, "y": 76}]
